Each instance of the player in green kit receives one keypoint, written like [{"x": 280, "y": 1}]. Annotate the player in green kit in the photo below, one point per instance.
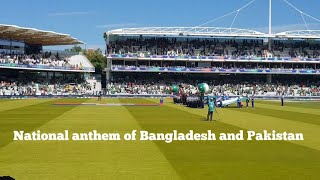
[{"x": 211, "y": 107}]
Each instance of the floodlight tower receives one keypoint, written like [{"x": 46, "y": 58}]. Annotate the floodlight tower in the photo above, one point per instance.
[
  {"x": 270, "y": 17},
  {"x": 269, "y": 76},
  {"x": 270, "y": 24}
]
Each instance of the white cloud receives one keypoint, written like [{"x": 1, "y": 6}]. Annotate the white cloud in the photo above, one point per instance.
[
  {"x": 110, "y": 26},
  {"x": 72, "y": 13}
]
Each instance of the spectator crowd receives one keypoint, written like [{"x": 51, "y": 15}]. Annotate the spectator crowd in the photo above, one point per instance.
[
  {"x": 157, "y": 87},
  {"x": 267, "y": 66},
  {"x": 214, "y": 47},
  {"x": 21, "y": 88},
  {"x": 232, "y": 88},
  {"x": 44, "y": 59}
]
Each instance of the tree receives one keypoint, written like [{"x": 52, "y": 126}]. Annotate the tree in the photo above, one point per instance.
[
  {"x": 97, "y": 59},
  {"x": 75, "y": 48},
  {"x": 94, "y": 56}
]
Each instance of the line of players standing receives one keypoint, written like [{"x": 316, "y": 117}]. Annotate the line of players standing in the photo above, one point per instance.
[{"x": 248, "y": 101}]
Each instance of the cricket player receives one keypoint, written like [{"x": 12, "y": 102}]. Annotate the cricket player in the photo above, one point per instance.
[
  {"x": 99, "y": 96},
  {"x": 210, "y": 109},
  {"x": 247, "y": 101},
  {"x": 252, "y": 101},
  {"x": 282, "y": 99},
  {"x": 239, "y": 102},
  {"x": 161, "y": 101},
  {"x": 202, "y": 100}
]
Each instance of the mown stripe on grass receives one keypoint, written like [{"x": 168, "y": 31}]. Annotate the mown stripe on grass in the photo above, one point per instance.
[
  {"x": 5, "y": 100},
  {"x": 299, "y": 104},
  {"x": 29, "y": 118},
  {"x": 224, "y": 159},
  {"x": 135, "y": 101},
  {"x": 19, "y": 103},
  {"x": 87, "y": 159},
  {"x": 259, "y": 123},
  {"x": 277, "y": 113},
  {"x": 289, "y": 108}
]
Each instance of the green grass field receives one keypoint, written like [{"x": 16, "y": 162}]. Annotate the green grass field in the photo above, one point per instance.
[{"x": 157, "y": 159}]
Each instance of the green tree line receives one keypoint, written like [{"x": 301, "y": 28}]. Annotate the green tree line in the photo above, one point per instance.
[{"x": 94, "y": 56}]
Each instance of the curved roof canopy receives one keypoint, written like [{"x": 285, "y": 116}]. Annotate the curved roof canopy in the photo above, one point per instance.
[
  {"x": 301, "y": 34},
  {"x": 35, "y": 36},
  {"x": 188, "y": 31},
  {"x": 212, "y": 32}
]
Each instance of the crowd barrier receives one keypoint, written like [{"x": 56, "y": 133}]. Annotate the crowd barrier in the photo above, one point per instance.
[
  {"x": 214, "y": 70},
  {"x": 175, "y": 57},
  {"x": 294, "y": 98},
  {"x": 87, "y": 96},
  {"x": 45, "y": 67}
]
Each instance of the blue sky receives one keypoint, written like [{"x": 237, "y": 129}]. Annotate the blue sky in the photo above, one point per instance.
[{"x": 88, "y": 20}]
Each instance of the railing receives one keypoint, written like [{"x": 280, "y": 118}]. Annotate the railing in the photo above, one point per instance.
[
  {"x": 87, "y": 96},
  {"x": 215, "y": 70},
  {"x": 174, "y": 57},
  {"x": 46, "y": 67},
  {"x": 298, "y": 98}
]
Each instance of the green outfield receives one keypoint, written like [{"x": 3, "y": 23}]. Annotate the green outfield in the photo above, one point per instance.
[{"x": 157, "y": 159}]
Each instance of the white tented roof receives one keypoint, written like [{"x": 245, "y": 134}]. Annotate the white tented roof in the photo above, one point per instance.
[
  {"x": 35, "y": 36},
  {"x": 300, "y": 34},
  {"x": 188, "y": 31},
  {"x": 212, "y": 32},
  {"x": 80, "y": 59}
]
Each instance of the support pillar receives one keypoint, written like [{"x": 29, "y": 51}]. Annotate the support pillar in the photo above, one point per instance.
[
  {"x": 108, "y": 76},
  {"x": 269, "y": 78},
  {"x": 108, "y": 70}
]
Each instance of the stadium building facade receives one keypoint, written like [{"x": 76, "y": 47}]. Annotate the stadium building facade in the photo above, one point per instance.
[
  {"x": 213, "y": 50},
  {"x": 27, "y": 69},
  {"x": 208, "y": 53}
]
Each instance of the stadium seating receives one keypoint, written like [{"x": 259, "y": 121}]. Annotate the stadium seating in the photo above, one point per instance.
[
  {"x": 45, "y": 61},
  {"x": 232, "y": 87},
  {"x": 18, "y": 88},
  {"x": 217, "y": 49}
]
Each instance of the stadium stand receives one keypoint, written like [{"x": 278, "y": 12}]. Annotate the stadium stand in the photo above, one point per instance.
[
  {"x": 45, "y": 60},
  {"x": 219, "y": 48},
  {"x": 235, "y": 62},
  {"x": 28, "y": 70},
  {"x": 218, "y": 90},
  {"x": 231, "y": 86},
  {"x": 43, "y": 88}
]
